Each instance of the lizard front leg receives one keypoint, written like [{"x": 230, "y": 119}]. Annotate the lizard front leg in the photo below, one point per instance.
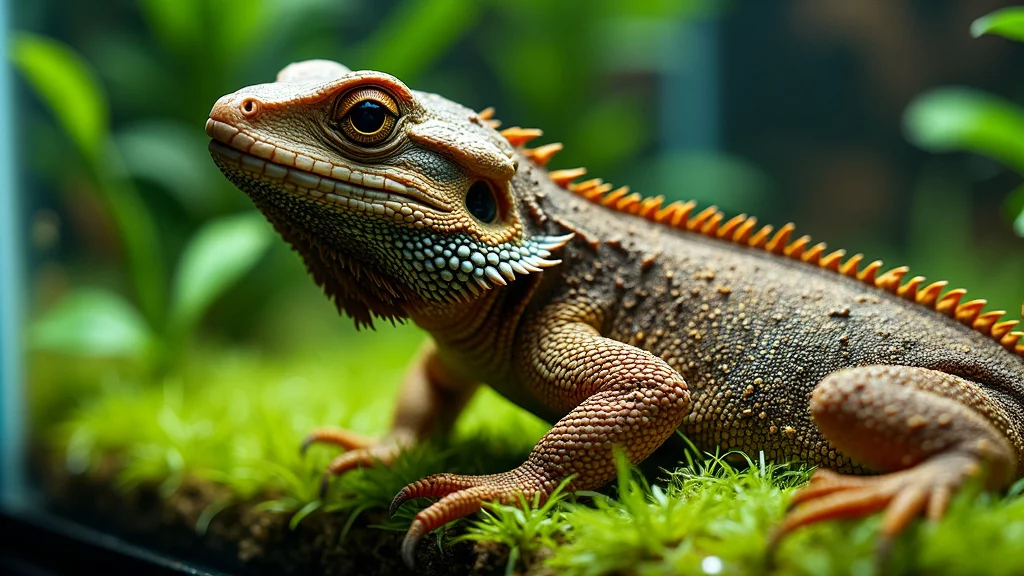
[
  {"x": 614, "y": 394},
  {"x": 928, "y": 430},
  {"x": 430, "y": 399}
]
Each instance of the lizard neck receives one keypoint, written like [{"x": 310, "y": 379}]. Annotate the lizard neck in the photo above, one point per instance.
[{"x": 476, "y": 338}]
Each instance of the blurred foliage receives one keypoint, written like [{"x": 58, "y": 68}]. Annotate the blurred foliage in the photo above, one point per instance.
[{"x": 948, "y": 119}]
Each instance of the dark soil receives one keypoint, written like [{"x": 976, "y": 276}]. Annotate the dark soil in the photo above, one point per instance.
[{"x": 245, "y": 540}]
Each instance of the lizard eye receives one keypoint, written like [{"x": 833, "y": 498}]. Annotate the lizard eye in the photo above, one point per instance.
[
  {"x": 367, "y": 116},
  {"x": 481, "y": 203}
]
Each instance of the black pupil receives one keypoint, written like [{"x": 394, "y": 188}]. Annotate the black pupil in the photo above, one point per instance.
[
  {"x": 481, "y": 203},
  {"x": 368, "y": 116}
]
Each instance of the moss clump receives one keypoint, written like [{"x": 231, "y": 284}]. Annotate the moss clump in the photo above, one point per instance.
[{"x": 227, "y": 426}]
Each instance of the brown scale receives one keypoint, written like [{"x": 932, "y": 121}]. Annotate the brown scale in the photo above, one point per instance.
[{"x": 740, "y": 230}]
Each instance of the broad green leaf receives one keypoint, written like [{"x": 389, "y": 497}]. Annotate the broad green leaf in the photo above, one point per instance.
[
  {"x": 177, "y": 24},
  {"x": 172, "y": 155},
  {"x": 432, "y": 26},
  {"x": 1015, "y": 209},
  {"x": 962, "y": 119},
  {"x": 68, "y": 86},
  {"x": 138, "y": 233},
  {"x": 92, "y": 322},
  {"x": 1008, "y": 23},
  {"x": 65, "y": 82},
  {"x": 218, "y": 255}
]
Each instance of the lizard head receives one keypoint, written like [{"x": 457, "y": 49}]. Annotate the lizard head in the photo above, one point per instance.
[{"x": 396, "y": 199}]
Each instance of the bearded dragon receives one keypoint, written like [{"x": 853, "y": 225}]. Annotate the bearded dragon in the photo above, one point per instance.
[{"x": 617, "y": 317}]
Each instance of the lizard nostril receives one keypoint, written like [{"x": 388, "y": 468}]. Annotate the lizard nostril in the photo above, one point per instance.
[{"x": 249, "y": 107}]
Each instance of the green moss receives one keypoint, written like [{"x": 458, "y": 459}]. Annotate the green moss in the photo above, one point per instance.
[{"x": 237, "y": 418}]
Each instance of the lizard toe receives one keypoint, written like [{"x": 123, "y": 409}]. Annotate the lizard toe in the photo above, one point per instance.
[
  {"x": 905, "y": 495},
  {"x": 436, "y": 486},
  {"x": 461, "y": 496},
  {"x": 361, "y": 452},
  {"x": 360, "y": 458},
  {"x": 335, "y": 437}
]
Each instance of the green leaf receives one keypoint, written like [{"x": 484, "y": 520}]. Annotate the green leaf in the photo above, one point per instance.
[
  {"x": 67, "y": 85},
  {"x": 432, "y": 26},
  {"x": 1015, "y": 209},
  {"x": 220, "y": 253},
  {"x": 92, "y": 322},
  {"x": 962, "y": 119},
  {"x": 173, "y": 156},
  {"x": 65, "y": 82},
  {"x": 177, "y": 23},
  {"x": 1008, "y": 23}
]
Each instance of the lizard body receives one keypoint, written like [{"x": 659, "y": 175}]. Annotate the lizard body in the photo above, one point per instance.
[{"x": 617, "y": 318}]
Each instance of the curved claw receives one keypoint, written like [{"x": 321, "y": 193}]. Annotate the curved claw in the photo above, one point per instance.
[
  {"x": 360, "y": 452},
  {"x": 306, "y": 443},
  {"x": 325, "y": 484},
  {"x": 398, "y": 500},
  {"x": 460, "y": 496},
  {"x": 412, "y": 538},
  {"x": 438, "y": 485}
]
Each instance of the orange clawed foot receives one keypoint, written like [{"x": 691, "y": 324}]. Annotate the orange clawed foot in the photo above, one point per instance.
[
  {"x": 904, "y": 495},
  {"x": 361, "y": 452},
  {"x": 463, "y": 495}
]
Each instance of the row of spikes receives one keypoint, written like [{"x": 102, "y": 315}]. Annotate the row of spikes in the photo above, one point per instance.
[{"x": 743, "y": 230}]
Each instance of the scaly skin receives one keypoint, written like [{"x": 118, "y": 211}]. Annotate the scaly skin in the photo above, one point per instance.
[{"x": 569, "y": 301}]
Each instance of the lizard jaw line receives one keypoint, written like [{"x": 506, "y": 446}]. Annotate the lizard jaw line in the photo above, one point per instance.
[
  {"x": 302, "y": 183},
  {"x": 314, "y": 176}
]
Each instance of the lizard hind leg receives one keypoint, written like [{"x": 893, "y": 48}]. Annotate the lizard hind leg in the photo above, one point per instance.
[{"x": 928, "y": 432}]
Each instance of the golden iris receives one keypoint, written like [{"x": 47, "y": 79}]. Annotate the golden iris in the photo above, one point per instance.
[{"x": 367, "y": 115}]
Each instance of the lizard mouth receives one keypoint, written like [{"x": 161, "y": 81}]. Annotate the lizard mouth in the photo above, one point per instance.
[{"x": 335, "y": 185}]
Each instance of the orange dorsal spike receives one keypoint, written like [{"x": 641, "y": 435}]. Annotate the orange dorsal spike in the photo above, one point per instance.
[
  {"x": 761, "y": 236},
  {"x": 675, "y": 213},
  {"x": 630, "y": 203},
  {"x": 968, "y": 311},
  {"x": 948, "y": 303},
  {"x": 517, "y": 136},
  {"x": 814, "y": 254},
  {"x": 613, "y": 198},
  {"x": 597, "y": 194},
  {"x": 701, "y": 217},
  {"x": 486, "y": 113},
  {"x": 890, "y": 281},
  {"x": 870, "y": 272},
  {"x": 984, "y": 322},
  {"x": 541, "y": 155},
  {"x": 778, "y": 243},
  {"x": 564, "y": 178},
  {"x": 710, "y": 228},
  {"x": 930, "y": 294},
  {"x": 1003, "y": 328},
  {"x": 585, "y": 186},
  {"x": 729, "y": 228},
  {"x": 649, "y": 207},
  {"x": 849, "y": 268},
  {"x": 1010, "y": 339},
  {"x": 796, "y": 249},
  {"x": 743, "y": 232},
  {"x": 909, "y": 290},
  {"x": 831, "y": 261}
]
